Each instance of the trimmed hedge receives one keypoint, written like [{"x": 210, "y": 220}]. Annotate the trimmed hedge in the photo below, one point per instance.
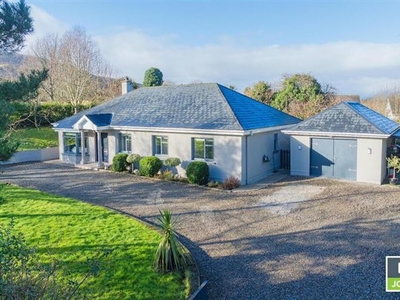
[
  {"x": 119, "y": 163},
  {"x": 149, "y": 166},
  {"x": 198, "y": 172},
  {"x": 172, "y": 162},
  {"x": 46, "y": 113}
]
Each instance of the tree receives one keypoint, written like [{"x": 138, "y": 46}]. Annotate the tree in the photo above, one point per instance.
[
  {"x": 260, "y": 91},
  {"x": 15, "y": 24},
  {"x": 77, "y": 71},
  {"x": 25, "y": 88},
  {"x": 302, "y": 96},
  {"x": 153, "y": 77}
]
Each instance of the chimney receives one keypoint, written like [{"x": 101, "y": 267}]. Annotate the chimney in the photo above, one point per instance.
[{"x": 127, "y": 86}]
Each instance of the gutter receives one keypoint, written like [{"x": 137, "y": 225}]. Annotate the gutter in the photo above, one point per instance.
[{"x": 337, "y": 134}]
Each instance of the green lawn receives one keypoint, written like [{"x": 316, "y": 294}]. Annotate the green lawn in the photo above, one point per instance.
[
  {"x": 35, "y": 138},
  {"x": 72, "y": 231}
]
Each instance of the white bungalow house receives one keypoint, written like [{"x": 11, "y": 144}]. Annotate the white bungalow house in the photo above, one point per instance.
[{"x": 236, "y": 135}]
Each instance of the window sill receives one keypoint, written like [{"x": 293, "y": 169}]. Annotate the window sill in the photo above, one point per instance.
[
  {"x": 209, "y": 161},
  {"x": 74, "y": 154}
]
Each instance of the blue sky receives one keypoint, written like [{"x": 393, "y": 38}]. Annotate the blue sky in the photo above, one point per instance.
[{"x": 351, "y": 45}]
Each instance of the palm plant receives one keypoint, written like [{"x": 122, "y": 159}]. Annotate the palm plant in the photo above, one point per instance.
[{"x": 171, "y": 254}]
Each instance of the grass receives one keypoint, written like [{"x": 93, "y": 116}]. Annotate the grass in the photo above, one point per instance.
[
  {"x": 35, "y": 138},
  {"x": 71, "y": 231}
]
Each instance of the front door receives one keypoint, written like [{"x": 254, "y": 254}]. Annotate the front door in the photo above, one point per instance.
[{"x": 104, "y": 147}]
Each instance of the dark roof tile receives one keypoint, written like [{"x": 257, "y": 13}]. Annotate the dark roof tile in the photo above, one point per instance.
[
  {"x": 193, "y": 106},
  {"x": 347, "y": 117}
]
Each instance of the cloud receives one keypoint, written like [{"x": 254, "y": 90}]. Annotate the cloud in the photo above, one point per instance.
[
  {"x": 43, "y": 24},
  {"x": 350, "y": 66}
]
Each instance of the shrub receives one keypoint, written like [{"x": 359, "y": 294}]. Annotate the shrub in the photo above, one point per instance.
[
  {"x": 43, "y": 114},
  {"x": 119, "y": 163},
  {"x": 197, "y": 172},
  {"x": 172, "y": 162},
  {"x": 213, "y": 184},
  {"x": 167, "y": 175},
  {"x": 171, "y": 254},
  {"x": 149, "y": 166},
  {"x": 132, "y": 158},
  {"x": 231, "y": 183}
]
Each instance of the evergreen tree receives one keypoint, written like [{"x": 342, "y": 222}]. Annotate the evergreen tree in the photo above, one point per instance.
[
  {"x": 15, "y": 24},
  {"x": 153, "y": 77}
]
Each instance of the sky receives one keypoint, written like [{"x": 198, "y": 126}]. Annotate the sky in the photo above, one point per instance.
[{"x": 352, "y": 45}]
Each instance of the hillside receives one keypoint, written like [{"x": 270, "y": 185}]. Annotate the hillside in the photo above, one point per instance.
[{"x": 9, "y": 65}]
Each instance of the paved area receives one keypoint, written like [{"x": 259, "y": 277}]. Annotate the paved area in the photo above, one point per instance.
[{"x": 295, "y": 239}]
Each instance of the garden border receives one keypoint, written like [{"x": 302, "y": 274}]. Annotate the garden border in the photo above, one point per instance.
[{"x": 33, "y": 155}]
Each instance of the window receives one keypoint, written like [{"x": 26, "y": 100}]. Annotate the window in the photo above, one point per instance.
[
  {"x": 161, "y": 145},
  {"x": 72, "y": 143},
  {"x": 275, "y": 142},
  {"x": 125, "y": 143},
  {"x": 203, "y": 148}
]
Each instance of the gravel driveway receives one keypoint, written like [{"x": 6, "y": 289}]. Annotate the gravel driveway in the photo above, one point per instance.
[{"x": 298, "y": 239}]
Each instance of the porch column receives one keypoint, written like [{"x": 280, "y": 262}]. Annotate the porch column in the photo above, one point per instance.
[
  {"x": 82, "y": 147},
  {"x": 99, "y": 151}
]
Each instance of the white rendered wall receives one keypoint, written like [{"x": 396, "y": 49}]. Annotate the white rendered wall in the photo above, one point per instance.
[
  {"x": 300, "y": 155},
  {"x": 227, "y": 151},
  {"x": 371, "y": 160},
  {"x": 262, "y": 145}
]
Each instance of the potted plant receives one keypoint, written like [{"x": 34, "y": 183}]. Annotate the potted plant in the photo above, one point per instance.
[{"x": 393, "y": 163}]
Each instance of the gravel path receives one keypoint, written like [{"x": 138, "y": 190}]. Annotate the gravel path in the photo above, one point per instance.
[{"x": 298, "y": 239}]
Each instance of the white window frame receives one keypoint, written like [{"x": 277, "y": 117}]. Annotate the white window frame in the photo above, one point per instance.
[
  {"x": 163, "y": 141},
  {"x": 123, "y": 145},
  {"x": 207, "y": 143},
  {"x": 76, "y": 150}
]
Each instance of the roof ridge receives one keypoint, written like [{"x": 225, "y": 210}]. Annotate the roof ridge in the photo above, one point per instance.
[
  {"x": 229, "y": 105},
  {"x": 347, "y": 103}
]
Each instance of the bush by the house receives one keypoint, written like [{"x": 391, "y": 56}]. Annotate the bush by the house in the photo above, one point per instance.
[
  {"x": 149, "y": 166},
  {"x": 213, "y": 184},
  {"x": 167, "y": 175},
  {"x": 119, "y": 163},
  {"x": 231, "y": 183},
  {"x": 131, "y": 160},
  {"x": 172, "y": 162},
  {"x": 198, "y": 172}
]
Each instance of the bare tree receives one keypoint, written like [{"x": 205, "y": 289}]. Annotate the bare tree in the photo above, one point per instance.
[
  {"x": 46, "y": 53},
  {"x": 78, "y": 73}
]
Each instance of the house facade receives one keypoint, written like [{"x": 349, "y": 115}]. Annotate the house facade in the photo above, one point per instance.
[
  {"x": 347, "y": 141},
  {"x": 236, "y": 135}
]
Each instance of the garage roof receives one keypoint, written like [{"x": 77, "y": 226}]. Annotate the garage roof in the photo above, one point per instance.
[{"x": 347, "y": 118}]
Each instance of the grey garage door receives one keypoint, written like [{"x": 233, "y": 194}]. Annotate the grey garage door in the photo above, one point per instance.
[{"x": 335, "y": 158}]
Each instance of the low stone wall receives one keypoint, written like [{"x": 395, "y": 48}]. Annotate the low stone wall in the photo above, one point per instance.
[{"x": 34, "y": 155}]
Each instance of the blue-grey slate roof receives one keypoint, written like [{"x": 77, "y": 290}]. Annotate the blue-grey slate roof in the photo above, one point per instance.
[
  {"x": 100, "y": 119},
  {"x": 348, "y": 117},
  {"x": 193, "y": 106}
]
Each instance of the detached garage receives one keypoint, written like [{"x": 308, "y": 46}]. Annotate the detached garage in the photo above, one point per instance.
[{"x": 347, "y": 141}]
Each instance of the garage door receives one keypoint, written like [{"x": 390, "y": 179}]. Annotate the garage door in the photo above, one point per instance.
[{"x": 335, "y": 158}]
